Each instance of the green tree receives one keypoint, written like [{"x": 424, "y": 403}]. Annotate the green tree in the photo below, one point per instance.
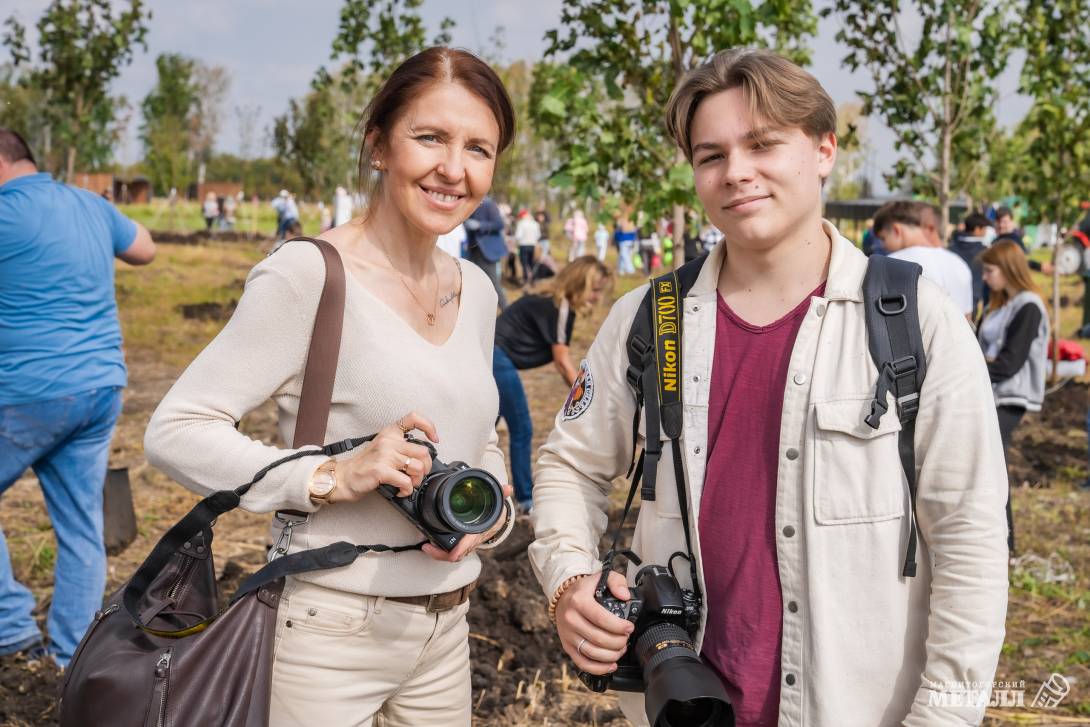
[
  {"x": 315, "y": 137},
  {"x": 846, "y": 181},
  {"x": 310, "y": 139},
  {"x": 82, "y": 46},
  {"x": 168, "y": 111},
  {"x": 1057, "y": 128},
  {"x": 523, "y": 171},
  {"x": 373, "y": 38},
  {"x": 22, "y": 109},
  {"x": 612, "y": 67},
  {"x": 935, "y": 86}
]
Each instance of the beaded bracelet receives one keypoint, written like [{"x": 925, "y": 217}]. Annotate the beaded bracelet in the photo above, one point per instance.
[{"x": 560, "y": 592}]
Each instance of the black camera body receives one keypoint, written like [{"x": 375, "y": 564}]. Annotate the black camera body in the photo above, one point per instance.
[
  {"x": 453, "y": 500},
  {"x": 657, "y": 599},
  {"x": 661, "y": 659}
]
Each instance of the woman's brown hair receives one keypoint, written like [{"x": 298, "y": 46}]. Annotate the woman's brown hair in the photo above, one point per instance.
[
  {"x": 434, "y": 65},
  {"x": 1011, "y": 261}
]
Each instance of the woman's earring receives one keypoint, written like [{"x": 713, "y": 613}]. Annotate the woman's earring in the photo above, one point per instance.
[{"x": 376, "y": 165}]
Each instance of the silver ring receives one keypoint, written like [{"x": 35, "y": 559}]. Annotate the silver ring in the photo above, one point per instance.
[{"x": 579, "y": 649}]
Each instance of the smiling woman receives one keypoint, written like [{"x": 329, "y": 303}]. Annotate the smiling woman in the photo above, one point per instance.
[{"x": 388, "y": 633}]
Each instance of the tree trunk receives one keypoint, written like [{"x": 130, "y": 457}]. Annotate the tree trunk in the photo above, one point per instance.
[
  {"x": 679, "y": 235},
  {"x": 947, "y": 135},
  {"x": 70, "y": 165},
  {"x": 944, "y": 184}
]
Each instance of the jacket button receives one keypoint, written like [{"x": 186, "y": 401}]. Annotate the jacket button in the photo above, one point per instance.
[
  {"x": 792, "y": 454},
  {"x": 789, "y": 532},
  {"x": 792, "y": 607},
  {"x": 800, "y": 379},
  {"x": 820, "y": 310},
  {"x": 696, "y": 449},
  {"x": 696, "y": 308},
  {"x": 790, "y": 679},
  {"x": 696, "y": 378}
]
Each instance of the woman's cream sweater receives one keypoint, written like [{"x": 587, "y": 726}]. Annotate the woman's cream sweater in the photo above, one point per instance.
[{"x": 386, "y": 370}]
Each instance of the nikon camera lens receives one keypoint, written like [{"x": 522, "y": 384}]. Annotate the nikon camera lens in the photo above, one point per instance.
[
  {"x": 462, "y": 501},
  {"x": 682, "y": 691}
]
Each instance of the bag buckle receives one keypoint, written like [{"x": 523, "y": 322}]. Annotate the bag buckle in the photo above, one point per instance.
[{"x": 283, "y": 541}]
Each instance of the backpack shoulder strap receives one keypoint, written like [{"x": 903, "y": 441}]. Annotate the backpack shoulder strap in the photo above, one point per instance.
[
  {"x": 646, "y": 351},
  {"x": 896, "y": 346}
]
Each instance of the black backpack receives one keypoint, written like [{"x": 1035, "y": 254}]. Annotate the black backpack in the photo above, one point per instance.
[{"x": 893, "y": 337}]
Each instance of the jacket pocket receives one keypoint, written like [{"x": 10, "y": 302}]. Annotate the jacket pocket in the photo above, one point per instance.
[{"x": 857, "y": 470}]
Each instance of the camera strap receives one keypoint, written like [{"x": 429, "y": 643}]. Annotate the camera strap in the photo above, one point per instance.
[
  {"x": 660, "y": 384},
  {"x": 205, "y": 513}
]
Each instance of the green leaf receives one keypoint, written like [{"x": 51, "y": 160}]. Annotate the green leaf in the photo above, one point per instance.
[{"x": 554, "y": 106}]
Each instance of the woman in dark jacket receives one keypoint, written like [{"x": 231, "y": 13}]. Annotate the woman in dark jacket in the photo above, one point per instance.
[{"x": 533, "y": 331}]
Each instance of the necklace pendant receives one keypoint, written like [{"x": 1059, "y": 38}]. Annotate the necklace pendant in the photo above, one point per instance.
[{"x": 430, "y": 318}]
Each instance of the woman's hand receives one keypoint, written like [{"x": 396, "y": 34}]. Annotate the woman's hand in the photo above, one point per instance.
[
  {"x": 467, "y": 544},
  {"x": 388, "y": 459}
]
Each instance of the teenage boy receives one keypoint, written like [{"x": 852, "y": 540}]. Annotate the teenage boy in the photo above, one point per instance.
[{"x": 800, "y": 511}]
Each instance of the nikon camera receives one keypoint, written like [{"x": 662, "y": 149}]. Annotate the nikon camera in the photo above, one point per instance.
[
  {"x": 661, "y": 659},
  {"x": 454, "y": 500}
]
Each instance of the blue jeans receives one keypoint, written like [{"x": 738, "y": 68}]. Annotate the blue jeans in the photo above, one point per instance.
[
  {"x": 66, "y": 442},
  {"x": 624, "y": 257},
  {"x": 520, "y": 429}
]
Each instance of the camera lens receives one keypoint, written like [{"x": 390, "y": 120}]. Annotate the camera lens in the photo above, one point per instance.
[
  {"x": 464, "y": 500},
  {"x": 681, "y": 691},
  {"x": 471, "y": 500}
]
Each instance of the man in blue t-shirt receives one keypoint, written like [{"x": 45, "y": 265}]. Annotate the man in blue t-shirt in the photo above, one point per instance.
[{"x": 61, "y": 375}]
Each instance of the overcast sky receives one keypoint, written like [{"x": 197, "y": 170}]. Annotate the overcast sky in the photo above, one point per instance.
[{"x": 271, "y": 49}]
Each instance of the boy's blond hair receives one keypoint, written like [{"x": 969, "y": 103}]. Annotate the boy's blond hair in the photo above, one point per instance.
[{"x": 778, "y": 92}]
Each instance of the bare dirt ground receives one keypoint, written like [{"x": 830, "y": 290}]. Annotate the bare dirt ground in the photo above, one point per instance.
[{"x": 171, "y": 309}]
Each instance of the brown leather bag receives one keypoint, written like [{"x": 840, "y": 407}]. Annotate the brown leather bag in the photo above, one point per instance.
[{"x": 160, "y": 653}]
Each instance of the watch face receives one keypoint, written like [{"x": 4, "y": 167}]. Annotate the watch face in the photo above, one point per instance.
[{"x": 322, "y": 484}]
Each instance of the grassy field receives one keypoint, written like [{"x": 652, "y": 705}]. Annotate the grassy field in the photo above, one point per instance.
[
  {"x": 171, "y": 309},
  {"x": 185, "y": 217}
]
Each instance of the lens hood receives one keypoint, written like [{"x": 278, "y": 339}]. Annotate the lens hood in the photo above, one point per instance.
[{"x": 685, "y": 692}]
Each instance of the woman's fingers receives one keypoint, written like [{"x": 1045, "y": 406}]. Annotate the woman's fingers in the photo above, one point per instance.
[
  {"x": 388, "y": 475},
  {"x": 412, "y": 420},
  {"x": 465, "y": 547}
]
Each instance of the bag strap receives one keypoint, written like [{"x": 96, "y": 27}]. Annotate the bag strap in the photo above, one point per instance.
[
  {"x": 324, "y": 351},
  {"x": 200, "y": 519},
  {"x": 896, "y": 346},
  {"x": 314, "y": 405}
]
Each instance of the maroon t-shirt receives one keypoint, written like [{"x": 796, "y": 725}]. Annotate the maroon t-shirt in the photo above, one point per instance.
[{"x": 738, "y": 510}]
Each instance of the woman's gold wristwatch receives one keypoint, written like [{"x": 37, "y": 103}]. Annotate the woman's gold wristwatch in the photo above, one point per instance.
[{"x": 323, "y": 482}]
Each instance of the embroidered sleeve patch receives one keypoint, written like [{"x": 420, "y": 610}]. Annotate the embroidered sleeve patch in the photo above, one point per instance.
[{"x": 582, "y": 393}]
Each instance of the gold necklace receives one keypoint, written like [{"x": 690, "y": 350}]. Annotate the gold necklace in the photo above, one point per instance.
[{"x": 429, "y": 318}]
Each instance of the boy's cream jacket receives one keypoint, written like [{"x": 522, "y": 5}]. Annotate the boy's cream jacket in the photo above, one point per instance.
[{"x": 865, "y": 647}]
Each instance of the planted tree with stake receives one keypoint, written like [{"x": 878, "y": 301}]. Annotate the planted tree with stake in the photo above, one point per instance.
[
  {"x": 82, "y": 47},
  {"x": 934, "y": 65},
  {"x": 610, "y": 69}
]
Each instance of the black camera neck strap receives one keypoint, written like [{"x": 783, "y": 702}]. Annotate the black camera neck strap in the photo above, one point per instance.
[
  {"x": 204, "y": 514},
  {"x": 664, "y": 413}
]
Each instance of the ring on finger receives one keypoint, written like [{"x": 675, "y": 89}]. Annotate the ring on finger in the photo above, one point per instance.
[
  {"x": 404, "y": 429},
  {"x": 405, "y": 466},
  {"x": 579, "y": 649}
]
